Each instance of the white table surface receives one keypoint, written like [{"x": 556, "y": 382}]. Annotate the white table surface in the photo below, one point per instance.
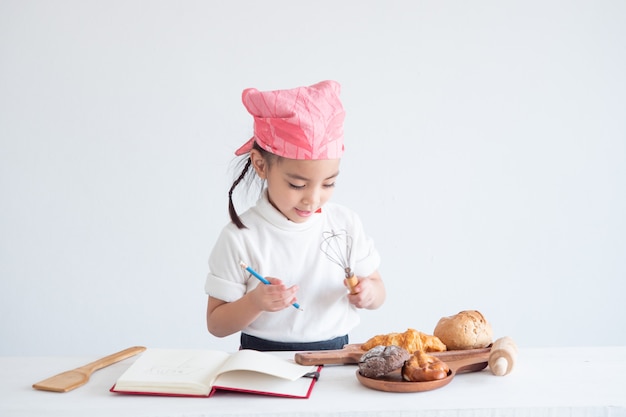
[{"x": 577, "y": 381}]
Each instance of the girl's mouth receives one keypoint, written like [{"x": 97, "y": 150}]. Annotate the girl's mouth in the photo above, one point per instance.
[{"x": 303, "y": 213}]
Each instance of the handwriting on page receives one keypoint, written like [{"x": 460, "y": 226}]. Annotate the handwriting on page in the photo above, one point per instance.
[{"x": 184, "y": 368}]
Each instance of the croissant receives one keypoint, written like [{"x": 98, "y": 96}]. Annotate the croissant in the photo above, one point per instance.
[{"x": 411, "y": 340}]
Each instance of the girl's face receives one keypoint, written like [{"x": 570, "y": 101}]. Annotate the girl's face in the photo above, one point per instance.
[{"x": 297, "y": 188}]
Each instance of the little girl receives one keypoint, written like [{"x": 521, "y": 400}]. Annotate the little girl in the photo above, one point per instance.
[{"x": 296, "y": 151}]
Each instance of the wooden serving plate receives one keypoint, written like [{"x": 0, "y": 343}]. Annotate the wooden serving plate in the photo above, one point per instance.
[{"x": 393, "y": 382}]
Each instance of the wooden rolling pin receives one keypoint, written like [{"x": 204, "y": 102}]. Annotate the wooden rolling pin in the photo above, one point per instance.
[{"x": 503, "y": 355}]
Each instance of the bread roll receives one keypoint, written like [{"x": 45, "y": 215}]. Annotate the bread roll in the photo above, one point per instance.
[
  {"x": 422, "y": 367},
  {"x": 381, "y": 360},
  {"x": 465, "y": 330}
]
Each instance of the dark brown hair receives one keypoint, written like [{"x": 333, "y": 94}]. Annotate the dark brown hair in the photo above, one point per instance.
[{"x": 269, "y": 159}]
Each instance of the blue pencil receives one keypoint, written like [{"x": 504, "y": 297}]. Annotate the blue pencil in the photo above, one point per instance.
[{"x": 262, "y": 279}]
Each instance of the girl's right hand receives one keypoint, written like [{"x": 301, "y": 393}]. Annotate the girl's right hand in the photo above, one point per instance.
[{"x": 274, "y": 297}]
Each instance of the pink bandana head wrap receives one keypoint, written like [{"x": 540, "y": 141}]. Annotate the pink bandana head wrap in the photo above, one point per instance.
[{"x": 301, "y": 123}]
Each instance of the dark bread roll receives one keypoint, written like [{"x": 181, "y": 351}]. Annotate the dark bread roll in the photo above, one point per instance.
[{"x": 381, "y": 360}]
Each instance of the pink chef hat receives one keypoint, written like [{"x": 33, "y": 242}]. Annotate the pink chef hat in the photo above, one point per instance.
[{"x": 301, "y": 123}]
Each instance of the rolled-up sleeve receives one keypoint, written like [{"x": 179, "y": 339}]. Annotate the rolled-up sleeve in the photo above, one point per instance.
[
  {"x": 223, "y": 289},
  {"x": 226, "y": 280}
]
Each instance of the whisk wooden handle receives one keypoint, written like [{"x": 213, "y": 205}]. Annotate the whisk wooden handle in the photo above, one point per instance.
[{"x": 352, "y": 281}]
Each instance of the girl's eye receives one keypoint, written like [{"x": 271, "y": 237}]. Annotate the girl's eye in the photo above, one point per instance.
[{"x": 300, "y": 187}]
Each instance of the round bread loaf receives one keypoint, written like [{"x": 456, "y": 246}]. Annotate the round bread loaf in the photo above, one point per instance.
[
  {"x": 467, "y": 329},
  {"x": 381, "y": 360}
]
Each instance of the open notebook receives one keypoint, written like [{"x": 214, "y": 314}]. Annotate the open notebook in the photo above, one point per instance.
[{"x": 200, "y": 373}]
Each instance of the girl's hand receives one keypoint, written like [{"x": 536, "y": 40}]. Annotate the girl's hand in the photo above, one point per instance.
[
  {"x": 369, "y": 292},
  {"x": 274, "y": 297}
]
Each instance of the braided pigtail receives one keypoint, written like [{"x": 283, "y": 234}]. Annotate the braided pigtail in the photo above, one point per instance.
[{"x": 234, "y": 217}]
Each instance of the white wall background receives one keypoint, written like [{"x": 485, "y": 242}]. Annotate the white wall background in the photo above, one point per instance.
[{"x": 486, "y": 153}]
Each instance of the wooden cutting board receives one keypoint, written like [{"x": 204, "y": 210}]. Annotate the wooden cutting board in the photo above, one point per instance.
[{"x": 350, "y": 354}]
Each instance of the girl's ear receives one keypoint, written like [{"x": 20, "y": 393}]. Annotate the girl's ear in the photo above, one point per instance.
[{"x": 258, "y": 163}]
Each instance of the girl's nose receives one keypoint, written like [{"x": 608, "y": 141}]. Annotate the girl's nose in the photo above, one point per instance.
[{"x": 312, "y": 197}]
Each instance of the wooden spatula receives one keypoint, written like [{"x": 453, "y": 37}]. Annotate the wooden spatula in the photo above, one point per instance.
[{"x": 69, "y": 380}]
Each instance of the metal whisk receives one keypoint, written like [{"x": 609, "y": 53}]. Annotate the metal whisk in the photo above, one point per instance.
[{"x": 338, "y": 248}]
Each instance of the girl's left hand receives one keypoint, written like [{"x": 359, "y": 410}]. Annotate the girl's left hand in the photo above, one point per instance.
[{"x": 369, "y": 292}]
